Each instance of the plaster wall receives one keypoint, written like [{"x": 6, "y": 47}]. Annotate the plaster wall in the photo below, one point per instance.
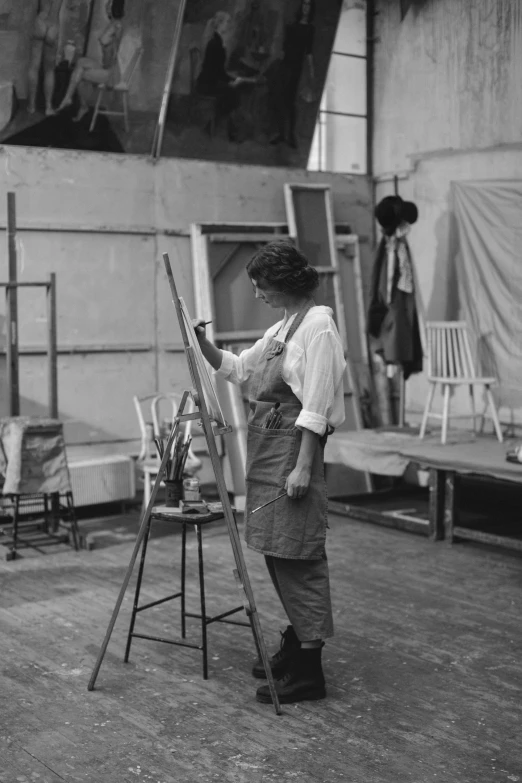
[
  {"x": 446, "y": 78},
  {"x": 447, "y": 109},
  {"x": 101, "y": 222}
]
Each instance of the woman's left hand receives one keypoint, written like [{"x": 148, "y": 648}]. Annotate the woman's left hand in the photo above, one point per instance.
[{"x": 298, "y": 482}]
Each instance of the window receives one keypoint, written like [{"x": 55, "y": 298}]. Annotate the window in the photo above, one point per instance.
[{"x": 340, "y": 137}]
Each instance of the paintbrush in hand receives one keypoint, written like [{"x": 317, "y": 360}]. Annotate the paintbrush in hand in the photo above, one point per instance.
[{"x": 268, "y": 503}]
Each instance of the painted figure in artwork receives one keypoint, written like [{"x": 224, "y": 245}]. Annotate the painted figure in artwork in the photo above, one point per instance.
[
  {"x": 213, "y": 78},
  {"x": 254, "y": 39},
  {"x": 44, "y": 47},
  {"x": 105, "y": 70},
  {"x": 297, "y": 53}
]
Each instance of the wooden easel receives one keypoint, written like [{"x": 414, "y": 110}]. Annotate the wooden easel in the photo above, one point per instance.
[{"x": 240, "y": 573}]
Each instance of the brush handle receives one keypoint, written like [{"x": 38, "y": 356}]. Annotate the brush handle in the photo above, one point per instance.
[{"x": 267, "y": 504}]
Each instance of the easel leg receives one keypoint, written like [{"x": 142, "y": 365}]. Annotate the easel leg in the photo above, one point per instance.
[
  {"x": 183, "y": 577},
  {"x": 202, "y": 602},
  {"x": 232, "y": 530},
  {"x": 258, "y": 650},
  {"x": 143, "y": 530},
  {"x": 137, "y": 592}
]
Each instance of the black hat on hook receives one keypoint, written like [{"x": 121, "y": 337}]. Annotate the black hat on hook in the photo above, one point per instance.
[{"x": 391, "y": 211}]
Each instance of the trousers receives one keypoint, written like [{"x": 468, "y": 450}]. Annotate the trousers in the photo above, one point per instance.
[{"x": 303, "y": 587}]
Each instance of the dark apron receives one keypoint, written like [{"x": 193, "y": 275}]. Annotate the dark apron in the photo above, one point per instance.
[{"x": 289, "y": 528}]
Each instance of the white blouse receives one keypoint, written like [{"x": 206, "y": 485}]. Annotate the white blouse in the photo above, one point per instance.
[{"x": 313, "y": 367}]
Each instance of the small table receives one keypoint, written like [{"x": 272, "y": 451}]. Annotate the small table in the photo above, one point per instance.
[{"x": 196, "y": 521}]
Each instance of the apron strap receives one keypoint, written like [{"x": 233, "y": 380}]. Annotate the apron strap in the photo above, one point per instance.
[
  {"x": 299, "y": 319},
  {"x": 277, "y": 347}
]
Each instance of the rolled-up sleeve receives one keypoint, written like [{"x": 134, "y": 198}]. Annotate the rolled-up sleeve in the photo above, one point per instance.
[
  {"x": 238, "y": 369},
  {"x": 322, "y": 387}
]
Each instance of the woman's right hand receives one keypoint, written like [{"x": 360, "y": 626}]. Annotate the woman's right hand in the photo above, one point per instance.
[{"x": 199, "y": 328}]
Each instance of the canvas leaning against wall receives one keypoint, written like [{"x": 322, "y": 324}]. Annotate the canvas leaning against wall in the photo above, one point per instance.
[{"x": 248, "y": 78}]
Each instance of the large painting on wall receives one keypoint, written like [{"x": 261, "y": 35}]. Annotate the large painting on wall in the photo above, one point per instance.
[{"x": 92, "y": 74}]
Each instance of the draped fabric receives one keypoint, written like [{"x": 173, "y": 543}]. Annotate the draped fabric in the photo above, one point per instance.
[
  {"x": 32, "y": 456},
  {"x": 489, "y": 266}
]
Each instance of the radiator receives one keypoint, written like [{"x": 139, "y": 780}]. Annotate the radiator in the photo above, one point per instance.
[{"x": 102, "y": 480}]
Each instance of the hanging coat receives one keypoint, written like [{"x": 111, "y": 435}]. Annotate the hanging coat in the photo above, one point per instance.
[{"x": 392, "y": 315}]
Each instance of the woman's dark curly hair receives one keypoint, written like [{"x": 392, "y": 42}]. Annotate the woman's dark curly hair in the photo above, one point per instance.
[{"x": 284, "y": 268}]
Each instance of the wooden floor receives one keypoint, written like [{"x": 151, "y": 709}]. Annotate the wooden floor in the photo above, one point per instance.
[{"x": 424, "y": 673}]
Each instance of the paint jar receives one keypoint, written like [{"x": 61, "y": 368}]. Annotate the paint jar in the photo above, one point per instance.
[
  {"x": 173, "y": 492},
  {"x": 191, "y": 489}
]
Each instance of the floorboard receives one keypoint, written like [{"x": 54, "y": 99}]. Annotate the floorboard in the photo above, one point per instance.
[{"x": 424, "y": 674}]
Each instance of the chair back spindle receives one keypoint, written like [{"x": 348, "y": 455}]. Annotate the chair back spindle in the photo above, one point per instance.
[{"x": 449, "y": 350}]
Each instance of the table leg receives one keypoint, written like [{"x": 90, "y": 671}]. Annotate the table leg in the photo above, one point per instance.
[
  {"x": 436, "y": 503},
  {"x": 451, "y": 504}
]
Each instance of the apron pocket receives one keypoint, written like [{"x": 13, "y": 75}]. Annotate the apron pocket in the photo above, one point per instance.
[{"x": 271, "y": 455}]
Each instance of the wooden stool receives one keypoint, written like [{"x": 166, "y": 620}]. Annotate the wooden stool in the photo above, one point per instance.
[{"x": 195, "y": 521}]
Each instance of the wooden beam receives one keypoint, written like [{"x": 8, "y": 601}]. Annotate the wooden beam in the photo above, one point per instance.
[
  {"x": 25, "y": 285},
  {"x": 38, "y": 350},
  {"x": 248, "y": 238},
  {"x": 52, "y": 350},
  {"x": 12, "y": 311}
]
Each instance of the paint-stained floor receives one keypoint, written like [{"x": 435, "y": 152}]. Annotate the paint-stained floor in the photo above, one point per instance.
[{"x": 424, "y": 673}]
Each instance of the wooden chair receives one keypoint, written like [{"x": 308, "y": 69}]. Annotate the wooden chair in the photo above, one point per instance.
[
  {"x": 121, "y": 88},
  {"x": 450, "y": 364},
  {"x": 148, "y": 461}
]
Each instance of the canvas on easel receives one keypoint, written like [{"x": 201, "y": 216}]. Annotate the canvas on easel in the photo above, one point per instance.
[
  {"x": 203, "y": 390},
  {"x": 211, "y": 399}
]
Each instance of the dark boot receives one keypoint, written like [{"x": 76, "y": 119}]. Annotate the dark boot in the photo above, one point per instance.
[
  {"x": 290, "y": 644},
  {"x": 304, "y": 680}
]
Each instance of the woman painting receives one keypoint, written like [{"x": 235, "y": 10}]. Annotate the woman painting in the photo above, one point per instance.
[
  {"x": 297, "y": 369},
  {"x": 89, "y": 71}
]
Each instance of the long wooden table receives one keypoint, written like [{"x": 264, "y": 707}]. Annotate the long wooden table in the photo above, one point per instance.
[{"x": 483, "y": 457}]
